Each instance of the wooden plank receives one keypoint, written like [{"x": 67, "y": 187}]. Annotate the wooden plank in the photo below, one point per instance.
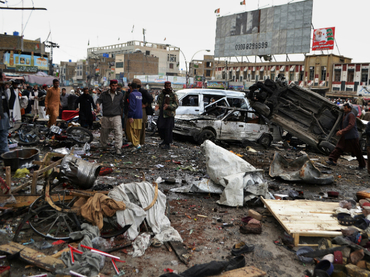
[
  {"x": 26, "y": 200},
  {"x": 41, "y": 171},
  {"x": 248, "y": 271},
  {"x": 305, "y": 218},
  {"x": 180, "y": 251},
  {"x": 32, "y": 256}
]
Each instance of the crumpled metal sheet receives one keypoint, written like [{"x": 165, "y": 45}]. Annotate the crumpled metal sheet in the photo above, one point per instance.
[
  {"x": 299, "y": 170},
  {"x": 79, "y": 172}
]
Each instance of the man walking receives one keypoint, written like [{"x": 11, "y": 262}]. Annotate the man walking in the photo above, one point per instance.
[
  {"x": 52, "y": 102},
  {"x": 349, "y": 139},
  {"x": 146, "y": 107},
  {"x": 134, "y": 115},
  {"x": 86, "y": 103},
  {"x": 63, "y": 101},
  {"x": 167, "y": 105},
  {"x": 112, "y": 113}
]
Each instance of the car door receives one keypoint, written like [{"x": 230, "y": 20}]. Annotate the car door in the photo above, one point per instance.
[
  {"x": 190, "y": 104},
  {"x": 236, "y": 126}
]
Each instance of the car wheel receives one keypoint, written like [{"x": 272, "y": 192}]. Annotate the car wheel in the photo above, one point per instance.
[
  {"x": 326, "y": 147},
  {"x": 206, "y": 134},
  {"x": 265, "y": 140}
]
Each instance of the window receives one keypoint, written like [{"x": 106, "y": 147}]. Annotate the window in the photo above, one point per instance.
[
  {"x": 195, "y": 72},
  {"x": 301, "y": 74},
  {"x": 351, "y": 75},
  {"x": 337, "y": 75},
  {"x": 171, "y": 65},
  {"x": 364, "y": 75},
  {"x": 312, "y": 72},
  {"x": 323, "y": 73},
  {"x": 273, "y": 76},
  {"x": 245, "y": 75},
  {"x": 190, "y": 101},
  {"x": 171, "y": 58},
  {"x": 208, "y": 64},
  {"x": 147, "y": 53},
  {"x": 253, "y": 75},
  {"x": 223, "y": 75},
  {"x": 230, "y": 75},
  {"x": 119, "y": 65},
  {"x": 291, "y": 76},
  {"x": 208, "y": 73}
]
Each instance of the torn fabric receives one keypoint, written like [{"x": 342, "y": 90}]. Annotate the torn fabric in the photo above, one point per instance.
[{"x": 135, "y": 194}]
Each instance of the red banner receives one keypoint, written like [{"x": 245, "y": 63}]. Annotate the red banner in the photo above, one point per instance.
[{"x": 323, "y": 39}]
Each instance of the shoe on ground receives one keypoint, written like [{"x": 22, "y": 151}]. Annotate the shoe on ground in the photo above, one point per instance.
[
  {"x": 360, "y": 168},
  {"x": 241, "y": 248},
  {"x": 330, "y": 162},
  {"x": 237, "y": 262},
  {"x": 138, "y": 147},
  {"x": 119, "y": 152},
  {"x": 166, "y": 146},
  {"x": 162, "y": 143}
]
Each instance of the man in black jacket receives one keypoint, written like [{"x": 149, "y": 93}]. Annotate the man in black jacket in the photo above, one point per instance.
[
  {"x": 113, "y": 106},
  {"x": 147, "y": 108}
]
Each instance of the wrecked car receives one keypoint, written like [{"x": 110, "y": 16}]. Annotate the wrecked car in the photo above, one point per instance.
[
  {"x": 227, "y": 124},
  {"x": 303, "y": 113}
]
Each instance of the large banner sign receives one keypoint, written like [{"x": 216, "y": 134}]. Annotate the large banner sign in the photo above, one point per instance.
[
  {"x": 282, "y": 29},
  {"x": 323, "y": 39},
  {"x": 363, "y": 90},
  {"x": 21, "y": 61}
]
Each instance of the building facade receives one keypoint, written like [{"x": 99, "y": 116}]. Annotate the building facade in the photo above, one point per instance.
[
  {"x": 168, "y": 56},
  {"x": 22, "y": 56}
]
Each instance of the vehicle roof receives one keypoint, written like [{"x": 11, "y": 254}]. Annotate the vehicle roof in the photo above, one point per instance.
[{"x": 212, "y": 91}]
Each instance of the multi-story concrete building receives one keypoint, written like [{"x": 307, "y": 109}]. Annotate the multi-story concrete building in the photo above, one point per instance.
[
  {"x": 130, "y": 64},
  {"x": 67, "y": 73},
  {"x": 100, "y": 70},
  {"x": 23, "y": 56},
  {"x": 202, "y": 68},
  {"x": 168, "y": 56}
]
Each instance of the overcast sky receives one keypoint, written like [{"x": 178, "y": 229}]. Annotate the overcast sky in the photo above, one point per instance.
[{"x": 189, "y": 24}]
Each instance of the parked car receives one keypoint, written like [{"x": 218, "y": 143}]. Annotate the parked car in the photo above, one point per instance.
[
  {"x": 227, "y": 124},
  {"x": 303, "y": 113},
  {"x": 195, "y": 101}
]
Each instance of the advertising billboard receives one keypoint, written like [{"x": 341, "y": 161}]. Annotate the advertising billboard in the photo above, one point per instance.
[
  {"x": 22, "y": 61},
  {"x": 323, "y": 39},
  {"x": 284, "y": 29}
]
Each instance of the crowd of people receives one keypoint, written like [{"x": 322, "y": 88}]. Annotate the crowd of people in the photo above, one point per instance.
[{"x": 125, "y": 111}]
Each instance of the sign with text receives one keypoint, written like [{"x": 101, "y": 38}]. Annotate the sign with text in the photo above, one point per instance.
[
  {"x": 14, "y": 60},
  {"x": 284, "y": 29},
  {"x": 323, "y": 39}
]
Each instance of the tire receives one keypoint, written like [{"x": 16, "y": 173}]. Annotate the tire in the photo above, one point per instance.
[
  {"x": 152, "y": 128},
  {"x": 326, "y": 147},
  {"x": 80, "y": 134},
  {"x": 265, "y": 140},
  {"x": 206, "y": 134}
]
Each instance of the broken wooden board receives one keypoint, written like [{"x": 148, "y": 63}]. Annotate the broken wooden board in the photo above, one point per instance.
[
  {"x": 180, "y": 251},
  {"x": 27, "y": 200},
  {"x": 248, "y": 271},
  {"x": 32, "y": 256},
  {"x": 305, "y": 218}
]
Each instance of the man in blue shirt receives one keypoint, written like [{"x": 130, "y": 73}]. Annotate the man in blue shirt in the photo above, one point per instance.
[{"x": 135, "y": 115}]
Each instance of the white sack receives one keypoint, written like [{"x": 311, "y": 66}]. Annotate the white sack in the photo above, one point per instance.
[
  {"x": 234, "y": 173},
  {"x": 142, "y": 193}
]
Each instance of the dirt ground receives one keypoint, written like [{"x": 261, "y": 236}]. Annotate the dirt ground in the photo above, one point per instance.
[{"x": 205, "y": 238}]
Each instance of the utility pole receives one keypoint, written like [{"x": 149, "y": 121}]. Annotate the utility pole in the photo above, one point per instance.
[{"x": 51, "y": 45}]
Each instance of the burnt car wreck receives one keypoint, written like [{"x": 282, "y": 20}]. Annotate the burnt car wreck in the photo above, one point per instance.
[
  {"x": 303, "y": 113},
  {"x": 227, "y": 124}
]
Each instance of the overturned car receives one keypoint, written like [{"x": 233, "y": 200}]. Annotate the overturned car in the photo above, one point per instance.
[
  {"x": 303, "y": 113},
  {"x": 227, "y": 124}
]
